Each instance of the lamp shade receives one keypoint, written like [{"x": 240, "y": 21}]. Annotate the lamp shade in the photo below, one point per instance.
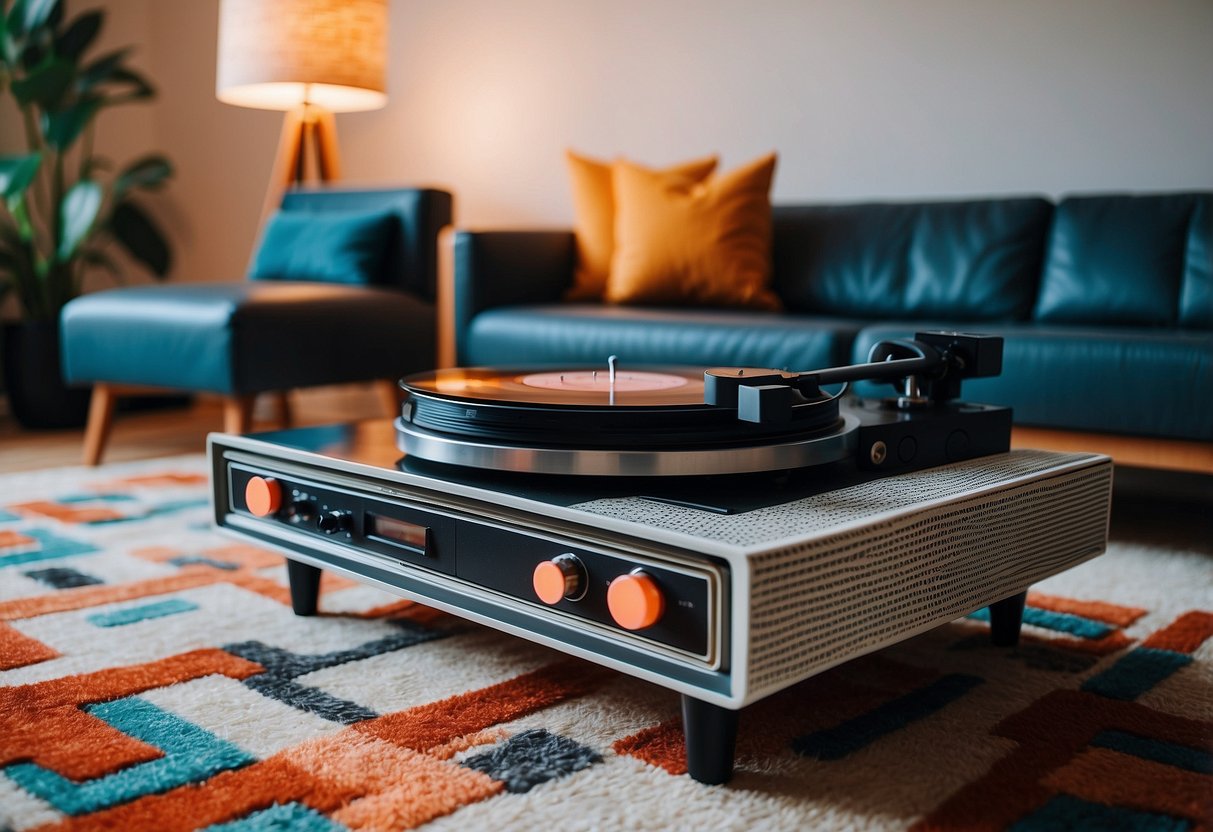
[{"x": 278, "y": 54}]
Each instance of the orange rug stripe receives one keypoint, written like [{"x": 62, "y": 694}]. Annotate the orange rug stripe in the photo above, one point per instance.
[
  {"x": 405, "y": 609},
  {"x": 18, "y": 650},
  {"x": 437, "y": 723},
  {"x": 396, "y": 788},
  {"x": 10, "y": 539},
  {"x": 167, "y": 479},
  {"x": 83, "y": 747},
  {"x": 68, "y": 513},
  {"x": 1099, "y": 610},
  {"x": 1185, "y": 634},
  {"x": 117, "y": 682},
  {"x": 1111, "y": 643},
  {"x": 78, "y": 598},
  {"x": 1101, "y": 775}
]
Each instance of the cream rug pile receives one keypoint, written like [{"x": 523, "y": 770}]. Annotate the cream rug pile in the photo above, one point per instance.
[{"x": 152, "y": 676}]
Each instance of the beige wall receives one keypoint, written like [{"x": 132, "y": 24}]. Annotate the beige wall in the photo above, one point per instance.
[{"x": 862, "y": 98}]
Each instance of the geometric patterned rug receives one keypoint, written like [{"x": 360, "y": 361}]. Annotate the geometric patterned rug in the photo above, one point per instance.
[{"x": 152, "y": 676}]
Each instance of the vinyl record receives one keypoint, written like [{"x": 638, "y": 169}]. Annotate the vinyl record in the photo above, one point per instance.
[{"x": 580, "y": 407}]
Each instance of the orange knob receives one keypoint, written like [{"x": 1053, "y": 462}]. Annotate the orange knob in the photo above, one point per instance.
[
  {"x": 635, "y": 601},
  {"x": 263, "y": 495},
  {"x": 557, "y": 579}
]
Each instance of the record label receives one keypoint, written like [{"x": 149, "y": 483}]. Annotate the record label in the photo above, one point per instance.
[{"x": 598, "y": 381}]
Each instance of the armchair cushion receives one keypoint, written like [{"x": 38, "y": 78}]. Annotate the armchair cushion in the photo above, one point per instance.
[
  {"x": 245, "y": 337},
  {"x": 332, "y": 247}
]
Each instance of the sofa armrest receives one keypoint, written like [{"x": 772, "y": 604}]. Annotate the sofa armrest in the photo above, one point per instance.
[{"x": 504, "y": 268}]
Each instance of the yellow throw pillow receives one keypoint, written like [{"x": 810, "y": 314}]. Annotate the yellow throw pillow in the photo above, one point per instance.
[
  {"x": 706, "y": 243},
  {"x": 594, "y": 216}
]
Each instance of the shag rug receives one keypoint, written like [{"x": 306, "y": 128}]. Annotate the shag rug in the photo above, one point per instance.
[{"x": 152, "y": 676}]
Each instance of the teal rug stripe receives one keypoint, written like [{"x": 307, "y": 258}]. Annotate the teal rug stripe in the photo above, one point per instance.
[
  {"x": 1071, "y": 814},
  {"x": 95, "y": 498},
  {"x": 1061, "y": 622},
  {"x": 8, "y": 516},
  {"x": 190, "y": 755},
  {"x": 852, "y": 735},
  {"x": 278, "y": 818},
  {"x": 50, "y": 546},
  {"x": 1181, "y": 756},
  {"x": 131, "y": 615},
  {"x": 1136, "y": 672}
]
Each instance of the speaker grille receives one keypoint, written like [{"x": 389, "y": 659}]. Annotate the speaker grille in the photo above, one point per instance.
[{"x": 822, "y": 602}]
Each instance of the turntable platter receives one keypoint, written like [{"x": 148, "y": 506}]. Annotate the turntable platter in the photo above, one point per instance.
[{"x": 586, "y": 420}]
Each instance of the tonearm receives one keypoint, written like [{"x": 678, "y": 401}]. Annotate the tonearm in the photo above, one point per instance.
[{"x": 926, "y": 369}]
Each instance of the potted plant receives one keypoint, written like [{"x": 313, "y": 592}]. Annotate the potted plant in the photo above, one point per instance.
[{"x": 64, "y": 206}]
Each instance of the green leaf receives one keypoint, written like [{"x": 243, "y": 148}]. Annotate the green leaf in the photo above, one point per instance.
[
  {"x": 141, "y": 87},
  {"x": 16, "y": 174},
  {"x": 29, "y": 15},
  {"x": 46, "y": 85},
  {"x": 139, "y": 235},
  {"x": 101, "y": 69},
  {"x": 62, "y": 128},
  {"x": 148, "y": 172},
  {"x": 79, "y": 35},
  {"x": 6, "y": 44},
  {"x": 78, "y": 212}
]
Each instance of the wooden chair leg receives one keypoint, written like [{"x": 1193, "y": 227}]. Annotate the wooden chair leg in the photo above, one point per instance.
[
  {"x": 238, "y": 414},
  {"x": 282, "y": 409},
  {"x": 100, "y": 420},
  {"x": 389, "y": 392}
]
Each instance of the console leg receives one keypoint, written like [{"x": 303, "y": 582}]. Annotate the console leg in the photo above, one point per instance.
[
  {"x": 305, "y": 586},
  {"x": 1006, "y": 618},
  {"x": 711, "y": 735}
]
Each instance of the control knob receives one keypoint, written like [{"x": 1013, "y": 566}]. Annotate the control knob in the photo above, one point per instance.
[
  {"x": 331, "y": 522},
  {"x": 263, "y": 495},
  {"x": 635, "y": 600},
  {"x": 561, "y": 577}
]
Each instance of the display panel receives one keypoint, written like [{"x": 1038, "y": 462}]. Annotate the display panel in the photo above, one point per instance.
[{"x": 397, "y": 531}]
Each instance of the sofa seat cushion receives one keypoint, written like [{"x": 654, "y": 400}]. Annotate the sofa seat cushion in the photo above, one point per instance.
[
  {"x": 1126, "y": 380},
  {"x": 245, "y": 337},
  {"x": 588, "y": 333}
]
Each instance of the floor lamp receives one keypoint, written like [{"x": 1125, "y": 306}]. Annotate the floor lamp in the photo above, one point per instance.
[{"x": 310, "y": 58}]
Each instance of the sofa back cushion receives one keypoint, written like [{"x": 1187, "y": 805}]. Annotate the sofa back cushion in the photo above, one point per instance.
[
  {"x": 1196, "y": 294},
  {"x": 971, "y": 260},
  {"x": 1117, "y": 259}
]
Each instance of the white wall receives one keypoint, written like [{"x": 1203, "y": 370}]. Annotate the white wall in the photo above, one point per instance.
[{"x": 862, "y": 99}]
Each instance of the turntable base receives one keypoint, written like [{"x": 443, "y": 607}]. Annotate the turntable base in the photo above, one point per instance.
[{"x": 732, "y": 587}]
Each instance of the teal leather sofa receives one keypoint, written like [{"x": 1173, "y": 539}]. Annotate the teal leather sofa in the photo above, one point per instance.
[{"x": 1105, "y": 303}]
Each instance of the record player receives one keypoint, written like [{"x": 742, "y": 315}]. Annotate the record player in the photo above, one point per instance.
[{"x": 724, "y": 533}]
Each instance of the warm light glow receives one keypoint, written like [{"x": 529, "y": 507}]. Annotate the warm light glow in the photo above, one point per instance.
[{"x": 279, "y": 54}]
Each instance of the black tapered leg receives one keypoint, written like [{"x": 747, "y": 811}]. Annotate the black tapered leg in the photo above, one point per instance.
[
  {"x": 1006, "y": 618},
  {"x": 305, "y": 586},
  {"x": 711, "y": 736}
]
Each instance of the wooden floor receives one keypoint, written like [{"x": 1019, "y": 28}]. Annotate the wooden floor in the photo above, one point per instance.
[{"x": 172, "y": 432}]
